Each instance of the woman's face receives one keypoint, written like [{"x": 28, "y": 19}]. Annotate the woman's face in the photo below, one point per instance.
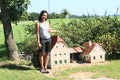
[{"x": 44, "y": 17}]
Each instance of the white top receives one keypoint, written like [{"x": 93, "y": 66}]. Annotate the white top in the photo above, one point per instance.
[{"x": 44, "y": 31}]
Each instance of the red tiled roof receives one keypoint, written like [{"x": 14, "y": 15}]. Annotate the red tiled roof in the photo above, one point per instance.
[
  {"x": 88, "y": 48},
  {"x": 75, "y": 50},
  {"x": 56, "y": 39}
]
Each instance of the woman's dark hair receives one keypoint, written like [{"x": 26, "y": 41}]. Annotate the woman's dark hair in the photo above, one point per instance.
[{"x": 40, "y": 16}]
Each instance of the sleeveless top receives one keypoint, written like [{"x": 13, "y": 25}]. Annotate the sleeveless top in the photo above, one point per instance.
[{"x": 44, "y": 33}]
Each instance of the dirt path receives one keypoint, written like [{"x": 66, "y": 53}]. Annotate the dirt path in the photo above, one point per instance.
[
  {"x": 80, "y": 76},
  {"x": 85, "y": 76}
]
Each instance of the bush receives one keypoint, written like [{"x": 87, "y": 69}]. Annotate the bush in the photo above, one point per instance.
[{"x": 104, "y": 30}]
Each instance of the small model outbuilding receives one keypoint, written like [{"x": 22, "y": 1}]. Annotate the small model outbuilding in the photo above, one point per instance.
[{"x": 93, "y": 52}]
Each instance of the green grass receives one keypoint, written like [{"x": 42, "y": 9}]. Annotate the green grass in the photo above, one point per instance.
[
  {"x": 10, "y": 71},
  {"x": 110, "y": 70},
  {"x": 17, "y": 72},
  {"x": 2, "y": 46},
  {"x": 19, "y": 31}
]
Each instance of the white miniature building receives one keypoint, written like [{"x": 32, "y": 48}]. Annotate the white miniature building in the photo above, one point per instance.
[
  {"x": 60, "y": 54},
  {"x": 93, "y": 53}
]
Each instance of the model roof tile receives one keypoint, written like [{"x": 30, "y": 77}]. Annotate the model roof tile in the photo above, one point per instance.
[
  {"x": 56, "y": 39},
  {"x": 88, "y": 47},
  {"x": 75, "y": 50}
]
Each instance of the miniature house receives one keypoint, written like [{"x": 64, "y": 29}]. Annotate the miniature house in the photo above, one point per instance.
[
  {"x": 60, "y": 54},
  {"x": 93, "y": 53}
]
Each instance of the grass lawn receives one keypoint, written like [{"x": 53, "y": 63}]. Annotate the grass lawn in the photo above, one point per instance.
[
  {"x": 17, "y": 72},
  {"x": 2, "y": 46},
  {"x": 10, "y": 71},
  {"x": 110, "y": 70}
]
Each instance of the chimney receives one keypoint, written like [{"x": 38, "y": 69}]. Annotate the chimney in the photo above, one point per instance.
[{"x": 90, "y": 43}]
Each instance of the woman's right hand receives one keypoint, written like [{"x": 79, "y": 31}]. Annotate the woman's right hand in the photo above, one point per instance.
[{"x": 39, "y": 45}]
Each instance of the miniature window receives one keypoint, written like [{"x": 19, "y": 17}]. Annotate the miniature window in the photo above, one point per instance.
[
  {"x": 65, "y": 61},
  {"x": 60, "y": 61},
  {"x": 84, "y": 57},
  {"x": 101, "y": 56},
  {"x": 61, "y": 45},
  {"x": 55, "y": 54},
  {"x": 64, "y": 53},
  {"x": 94, "y": 57},
  {"x": 60, "y": 54},
  {"x": 55, "y": 62}
]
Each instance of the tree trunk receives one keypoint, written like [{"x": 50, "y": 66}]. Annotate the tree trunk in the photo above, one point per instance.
[{"x": 11, "y": 47}]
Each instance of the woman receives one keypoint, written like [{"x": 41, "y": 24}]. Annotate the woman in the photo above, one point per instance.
[{"x": 44, "y": 40}]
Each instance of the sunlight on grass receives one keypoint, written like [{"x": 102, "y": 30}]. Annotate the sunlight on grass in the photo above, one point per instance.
[
  {"x": 17, "y": 72},
  {"x": 110, "y": 70},
  {"x": 7, "y": 74}
]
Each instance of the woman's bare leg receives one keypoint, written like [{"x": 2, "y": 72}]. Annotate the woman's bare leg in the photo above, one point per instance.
[
  {"x": 46, "y": 59},
  {"x": 41, "y": 57}
]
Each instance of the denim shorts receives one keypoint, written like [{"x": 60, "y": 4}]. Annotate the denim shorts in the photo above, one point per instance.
[{"x": 46, "y": 45}]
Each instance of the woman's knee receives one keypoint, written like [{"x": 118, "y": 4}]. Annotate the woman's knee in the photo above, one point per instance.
[
  {"x": 46, "y": 54},
  {"x": 41, "y": 54}
]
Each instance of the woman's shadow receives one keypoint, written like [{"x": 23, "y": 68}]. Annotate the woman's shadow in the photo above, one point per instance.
[{"x": 14, "y": 67}]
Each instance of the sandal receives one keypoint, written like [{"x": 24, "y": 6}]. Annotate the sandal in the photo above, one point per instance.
[
  {"x": 46, "y": 71},
  {"x": 43, "y": 70}
]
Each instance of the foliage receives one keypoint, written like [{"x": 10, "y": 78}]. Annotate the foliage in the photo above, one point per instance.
[
  {"x": 33, "y": 16},
  {"x": 16, "y": 8},
  {"x": 55, "y": 15},
  {"x": 24, "y": 16},
  {"x": 104, "y": 30},
  {"x": 64, "y": 13},
  {"x": 0, "y": 16},
  {"x": 30, "y": 42}
]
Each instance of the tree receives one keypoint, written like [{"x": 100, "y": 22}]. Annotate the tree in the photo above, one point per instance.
[
  {"x": 0, "y": 16},
  {"x": 33, "y": 16},
  {"x": 11, "y": 10},
  {"x": 65, "y": 13},
  {"x": 24, "y": 16},
  {"x": 54, "y": 15}
]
